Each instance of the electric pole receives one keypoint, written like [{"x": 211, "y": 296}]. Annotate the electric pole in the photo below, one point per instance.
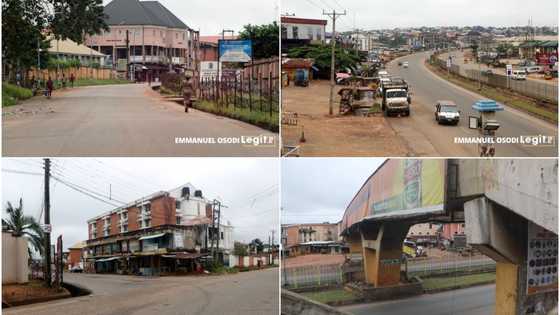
[
  {"x": 47, "y": 228},
  {"x": 333, "y": 17}
]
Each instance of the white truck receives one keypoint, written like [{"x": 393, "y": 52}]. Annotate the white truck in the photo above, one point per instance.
[{"x": 396, "y": 97}]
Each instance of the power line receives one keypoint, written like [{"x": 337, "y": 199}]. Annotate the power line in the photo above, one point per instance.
[
  {"x": 21, "y": 172},
  {"x": 85, "y": 192}
]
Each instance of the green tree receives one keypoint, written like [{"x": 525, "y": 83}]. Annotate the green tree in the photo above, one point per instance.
[
  {"x": 321, "y": 54},
  {"x": 264, "y": 37},
  {"x": 23, "y": 225},
  {"x": 23, "y": 22},
  {"x": 239, "y": 249},
  {"x": 257, "y": 245},
  {"x": 74, "y": 19}
]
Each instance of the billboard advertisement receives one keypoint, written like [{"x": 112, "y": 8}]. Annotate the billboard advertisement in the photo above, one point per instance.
[
  {"x": 235, "y": 50},
  {"x": 399, "y": 187}
]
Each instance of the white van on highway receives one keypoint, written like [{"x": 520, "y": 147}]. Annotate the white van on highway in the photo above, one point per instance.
[{"x": 519, "y": 75}]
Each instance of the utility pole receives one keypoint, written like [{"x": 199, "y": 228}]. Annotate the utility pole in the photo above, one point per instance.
[
  {"x": 333, "y": 17},
  {"x": 128, "y": 56},
  {"x": 47, "y": 222}
]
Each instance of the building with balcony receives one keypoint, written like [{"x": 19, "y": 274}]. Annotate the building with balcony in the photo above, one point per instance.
[
  {"x": 146, "y": 39},
  {"x": 298, "y": 32},
  {"x": 165, "y": 232},
  {"x": 301, "y": 239}
]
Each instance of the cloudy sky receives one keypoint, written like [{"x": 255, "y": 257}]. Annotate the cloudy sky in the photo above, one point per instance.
[
  {"x": 211, "y": 17},
  {"x": 249, "y": 187},
  {"x": 413, "y": 13},
  {"x": 316, "y": 190}
]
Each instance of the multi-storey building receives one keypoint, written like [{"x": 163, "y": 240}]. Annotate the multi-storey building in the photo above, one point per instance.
[
  {"x": 145, "y": 38},
  {"x": 310, "y": 238},
  {"x": 167, "y": 231}
]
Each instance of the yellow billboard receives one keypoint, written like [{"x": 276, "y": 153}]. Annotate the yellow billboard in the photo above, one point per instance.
[{"x": 399, "y": 187}]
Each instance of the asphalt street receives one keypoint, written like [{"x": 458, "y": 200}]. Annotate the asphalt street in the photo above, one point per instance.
[
  {"x": 248, "y": 293},
  {"x": 122, "y": 120},
  {"x": 477, "y": 300},
  {"x": 426, "y": 138}
]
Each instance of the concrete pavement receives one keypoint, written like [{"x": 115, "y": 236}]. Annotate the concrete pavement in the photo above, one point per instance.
[
  {"x": 254, "y": 292},
  {"x": 121, "y": 120},
  {"x": 426, "y": 138},
  {"x": 477, "y": 300}
]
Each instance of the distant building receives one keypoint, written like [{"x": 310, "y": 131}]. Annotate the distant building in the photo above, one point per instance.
[
  {"x": 297, "y": 32},
  {"x": 167, "y": 231},
  {"x": 542, "y": 52},
  {"x": 76, "y": 255},
  {"x": 144, "y": 36},
  {"x": 299, "y": 239},
  {"x": 208, "y": 55},
  {"x": 70, "y": 50}
]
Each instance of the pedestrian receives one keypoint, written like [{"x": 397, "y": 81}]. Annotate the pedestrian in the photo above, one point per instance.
[
  {"x": 72, "y": 78},
  {"x": 187, "y": 93},
  {"x": 50, "y": 86},
  {"x": 63, "y": 81},
  {"x": 18, "y": 78}
]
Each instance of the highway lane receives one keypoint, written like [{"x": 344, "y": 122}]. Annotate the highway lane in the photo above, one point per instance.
[
  {"x": 426, "y": 138},
  {"x": 122, "y": 120},
  {"x": 479, "y": 300}
]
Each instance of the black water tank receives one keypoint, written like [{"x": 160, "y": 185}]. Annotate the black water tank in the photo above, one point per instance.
[
  {"x": 198, "y": 193},
  {"x": 186, "y": 191}
]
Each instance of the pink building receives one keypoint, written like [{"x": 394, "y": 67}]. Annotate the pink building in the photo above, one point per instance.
[
  {"x": 147, "y": 37},
  {"x": 451, "y": 229}
]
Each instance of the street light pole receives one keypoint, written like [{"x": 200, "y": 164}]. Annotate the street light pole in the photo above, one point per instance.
[
  {"x": 333, "y": 17},
  {"x": 47, "y": 222}
]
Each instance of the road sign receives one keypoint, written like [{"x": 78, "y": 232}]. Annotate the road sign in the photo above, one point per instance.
[
  {"x": 235, "y": 50},
  {"x": 509, "y": 70},
  {"x": 47, "y": 228},
  {"x": 449, "y": 63}
]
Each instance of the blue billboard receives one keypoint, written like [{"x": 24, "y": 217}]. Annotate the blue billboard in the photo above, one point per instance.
[{"x": 235, "y": 50}]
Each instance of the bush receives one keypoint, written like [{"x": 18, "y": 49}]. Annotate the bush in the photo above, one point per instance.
[{"x": 11, "y": 94}]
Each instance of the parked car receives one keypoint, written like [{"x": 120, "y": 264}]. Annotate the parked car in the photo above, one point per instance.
[
  {"x": 405, "y": 64},
  {"x": 76, "y": 269},
  {"x": 447, "y": 112},
  {"x": 533, "y": 69},
  {"x": 519, "y": 75}
]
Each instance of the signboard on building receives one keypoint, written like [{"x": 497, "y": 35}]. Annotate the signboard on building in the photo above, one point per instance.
[
  {"x": 399, "y": 187},
  {"x": 208, "y": 70},
  {"x": 47, "y": 228},
  {"x": 235, "y": 50},
  {"x": 542, "y": 260}
]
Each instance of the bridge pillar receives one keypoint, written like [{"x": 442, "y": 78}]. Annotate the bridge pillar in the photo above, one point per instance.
[
  {"x": 504, "y": 236},
  {"x": 382, "y": 252}
]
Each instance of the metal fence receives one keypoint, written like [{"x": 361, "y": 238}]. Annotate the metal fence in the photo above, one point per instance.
[
  {"x": 312, "y": 276},
  {"x": 445, "y": 265},
  {"x": 540, "y": 90},
  {"x": 259, "y": 93}
]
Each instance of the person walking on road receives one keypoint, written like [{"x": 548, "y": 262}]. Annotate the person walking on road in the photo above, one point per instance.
[
  {"x": 72, "y": 78},
  {"x": 187, "y": 93},
  {"x": 50, "y": 86}
]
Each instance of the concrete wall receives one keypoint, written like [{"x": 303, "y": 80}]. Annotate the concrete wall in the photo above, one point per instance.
[
  {"x": 526, "y": 187},
  {"x": 15, "y": 268}
]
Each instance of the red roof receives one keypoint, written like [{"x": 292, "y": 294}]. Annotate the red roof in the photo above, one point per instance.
[
  {"x": 297, "y": 63},
  {"x": 214, "y": 38},
  {"x": 287, "y": 19}
]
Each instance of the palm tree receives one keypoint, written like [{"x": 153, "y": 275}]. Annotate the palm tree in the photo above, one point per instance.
[{"x": 20, "y": 224}]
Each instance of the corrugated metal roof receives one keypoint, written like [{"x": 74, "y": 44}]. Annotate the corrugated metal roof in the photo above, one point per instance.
[
  {"x": 134, "y": 12},
  {"x": 72, "y": 48}
]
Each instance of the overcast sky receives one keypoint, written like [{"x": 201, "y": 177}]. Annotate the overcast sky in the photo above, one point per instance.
[
  {"x": 248, "y": 186},
  {"x": 316, "y": 190},
  {"x": 413, "y": 13},
  {"x": 211, "y": 17}
]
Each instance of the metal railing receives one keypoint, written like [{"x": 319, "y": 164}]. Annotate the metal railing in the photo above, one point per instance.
[{"x": 312, "y": 276}]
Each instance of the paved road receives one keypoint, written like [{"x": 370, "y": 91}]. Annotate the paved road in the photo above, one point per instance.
[
  {"x": 426, "y": 138},
  {"x": 477, "y": 300},
  {"x": 244, "y": 293},
  {"x": 119, "y": 120}
]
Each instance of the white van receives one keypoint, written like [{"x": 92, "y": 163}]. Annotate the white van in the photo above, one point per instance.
[{"x": 519, "y": 75}]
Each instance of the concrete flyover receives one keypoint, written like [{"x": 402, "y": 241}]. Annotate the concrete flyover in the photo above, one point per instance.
[
  {"x": 510, "y": 210},
  {"x": 254, "y": 292},
  {"x": 426, "y": 138},
  {"x": 121, "y": 120}
]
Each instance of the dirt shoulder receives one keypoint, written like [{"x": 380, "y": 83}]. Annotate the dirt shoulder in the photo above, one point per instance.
[{"x": 335, "y": 135}]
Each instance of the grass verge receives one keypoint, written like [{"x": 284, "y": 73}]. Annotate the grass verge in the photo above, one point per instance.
[
  {"x": 333, "y": 296},
  {"x": 526, "y": 104},
  {"x": 12, "y": 93},
  {"x": 436, "y": 284},
  {"x": 262, "y": 119}
]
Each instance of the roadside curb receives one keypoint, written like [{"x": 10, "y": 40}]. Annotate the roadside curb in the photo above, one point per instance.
[
  {"x": 59, "y": 296},
  {"x": 458, "y": 287}
]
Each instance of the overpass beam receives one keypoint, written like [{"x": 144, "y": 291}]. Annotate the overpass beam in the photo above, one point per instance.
[{"x": 382, "y": 252}]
